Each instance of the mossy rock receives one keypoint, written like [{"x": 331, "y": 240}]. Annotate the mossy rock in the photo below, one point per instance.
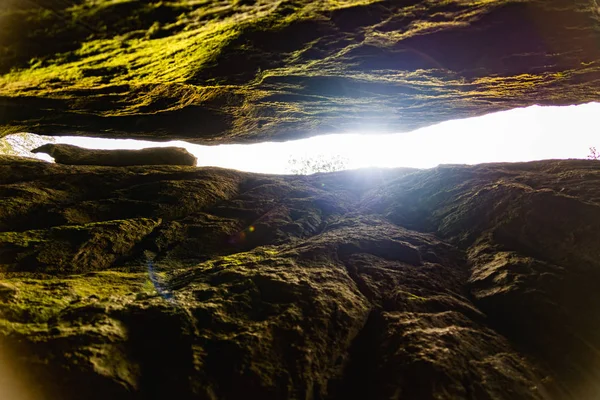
[
  {"x": 249, "y": 71},
  {"x": 72, "y": 249},
  {"x": 453, "y": 282}
]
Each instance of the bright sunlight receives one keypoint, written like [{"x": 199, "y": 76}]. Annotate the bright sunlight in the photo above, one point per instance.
[{"x": 525, "y": 134}]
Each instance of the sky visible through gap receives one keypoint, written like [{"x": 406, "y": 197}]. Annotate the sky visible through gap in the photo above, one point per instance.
[{"x": 524, "y": 134}]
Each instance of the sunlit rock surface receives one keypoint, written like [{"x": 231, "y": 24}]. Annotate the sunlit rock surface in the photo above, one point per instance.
[
  {"x": 254, "y": 70},
  {"x": 459, "y": 282}
]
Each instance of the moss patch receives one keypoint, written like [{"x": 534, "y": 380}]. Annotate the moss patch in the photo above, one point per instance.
[{"x": 34, "y": 302}]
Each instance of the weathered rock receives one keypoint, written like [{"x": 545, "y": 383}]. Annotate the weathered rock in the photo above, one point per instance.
[
  {"x": 471, "y": 282},
  {"x": 145, "y": 282},
  {"x": 72, "y": 248},
  {"x": 248, "y": 71},
  {"x": 74, "y": 155}
]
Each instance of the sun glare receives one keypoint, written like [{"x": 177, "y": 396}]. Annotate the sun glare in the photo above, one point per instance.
[{"x": 524, "y": 134}]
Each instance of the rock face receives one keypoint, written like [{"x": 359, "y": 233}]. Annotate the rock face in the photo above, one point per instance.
[
  {"x": 255, "y": 70},
  {"x": 459, "y": 282},
  {"x": 152, "y": 282},
  {"x": 73, "y": 155}
]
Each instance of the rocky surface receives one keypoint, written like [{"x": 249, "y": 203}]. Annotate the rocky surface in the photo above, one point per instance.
[
  {"x": 152, "y": 282},
  {"x": 251, "y": 70},
  {"x": 458, "y": 282},
  {"x": 73, "y": 155}
]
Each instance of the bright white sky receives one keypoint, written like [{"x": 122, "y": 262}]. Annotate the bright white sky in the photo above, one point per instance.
[{"x": 524, "y": 134}]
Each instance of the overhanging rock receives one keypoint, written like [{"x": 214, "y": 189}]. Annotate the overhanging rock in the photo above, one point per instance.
[{"x": 249, "y": 71}]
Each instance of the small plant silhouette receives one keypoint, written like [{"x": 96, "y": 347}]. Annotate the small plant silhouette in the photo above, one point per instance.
[
  {"x": 594, "y": 154},
  {"x": 320, "y": 163}
]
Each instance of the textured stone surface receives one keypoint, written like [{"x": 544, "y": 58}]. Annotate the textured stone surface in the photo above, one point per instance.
[
  {"x": 459, "y": 282},
  {"x": 73, "y": 155},
  {"x": 247, "y": 71},
  {"x": 149, "y": 282}
]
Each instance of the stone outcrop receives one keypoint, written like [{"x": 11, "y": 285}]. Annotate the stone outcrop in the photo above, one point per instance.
[
  {"x": 249, "y": 71},
  {"x": 458, "y": 282},
  {"x": 74, "y": 155}
]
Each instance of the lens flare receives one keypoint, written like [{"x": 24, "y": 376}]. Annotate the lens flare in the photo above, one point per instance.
[
  {"x": 14, "y": 384},
  {"x": 158, "y": 286}
]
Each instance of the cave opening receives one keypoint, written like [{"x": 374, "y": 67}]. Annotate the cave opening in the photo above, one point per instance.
[{"x": 521, "y": 134}]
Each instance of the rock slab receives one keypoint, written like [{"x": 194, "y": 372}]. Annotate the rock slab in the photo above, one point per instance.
[
  {"x": 74, "y": 155},
  {"x": 458, "y": 282}
]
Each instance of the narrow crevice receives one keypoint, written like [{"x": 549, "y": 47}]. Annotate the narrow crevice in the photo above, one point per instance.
[{"x": 359, "y": 376}]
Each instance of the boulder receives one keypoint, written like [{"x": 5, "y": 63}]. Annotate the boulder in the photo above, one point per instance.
[{"x": 74, "y": 155}]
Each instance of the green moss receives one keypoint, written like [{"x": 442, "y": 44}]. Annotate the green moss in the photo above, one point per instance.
[
  {"x": 22, "y": 239},
  {"x": 139, "y": 60},
  {"x": 246, "y": 258},
  {"x": 122, "y": 60},
  {"x": 36, "y": 301},
  {"x": 411, "y": 296}
]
